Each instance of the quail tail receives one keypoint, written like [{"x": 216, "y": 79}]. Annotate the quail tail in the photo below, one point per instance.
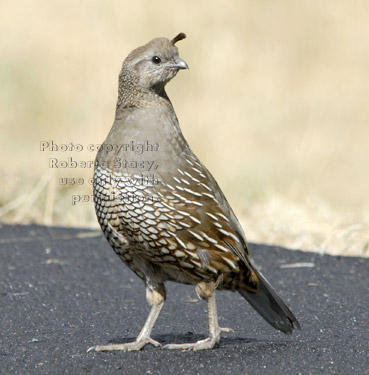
[{"x": 270, "y": 306}]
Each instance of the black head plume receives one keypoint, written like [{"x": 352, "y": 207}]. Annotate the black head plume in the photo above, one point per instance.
[{"x": 179, "y": 37}]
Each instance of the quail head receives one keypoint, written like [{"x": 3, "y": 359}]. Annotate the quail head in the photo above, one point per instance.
[{"x": 163, "y": 212}]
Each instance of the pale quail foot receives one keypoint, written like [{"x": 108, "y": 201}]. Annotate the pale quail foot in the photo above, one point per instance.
[
  {"x": 163, "y": 212},
  {"x": 205, "y": 291},
  {"x": 143, "y": 338}
]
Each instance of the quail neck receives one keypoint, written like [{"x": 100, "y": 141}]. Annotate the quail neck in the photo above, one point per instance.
[{"x": 144, "y": 111}]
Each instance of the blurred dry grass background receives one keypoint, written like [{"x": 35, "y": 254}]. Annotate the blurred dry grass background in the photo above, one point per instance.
[{"x": 276, "y": 104}]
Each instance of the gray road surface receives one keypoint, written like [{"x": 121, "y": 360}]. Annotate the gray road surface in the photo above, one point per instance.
[{"x": 63, "y": 290}]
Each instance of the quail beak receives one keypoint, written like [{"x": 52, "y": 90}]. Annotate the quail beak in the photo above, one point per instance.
[{"x": 179, "y": 64}]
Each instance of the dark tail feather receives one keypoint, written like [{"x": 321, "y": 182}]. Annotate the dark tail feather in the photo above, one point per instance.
[{"x": 271, "y": 307}]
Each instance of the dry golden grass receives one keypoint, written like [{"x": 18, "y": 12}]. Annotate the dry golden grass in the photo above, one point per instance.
[{"x": 275, "y": 104}]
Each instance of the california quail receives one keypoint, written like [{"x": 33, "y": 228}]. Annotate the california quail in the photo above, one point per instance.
[{"x": 163, "y": 212}]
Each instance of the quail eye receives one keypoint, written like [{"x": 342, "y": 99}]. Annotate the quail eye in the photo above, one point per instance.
[{"x": 156, "y": 60}]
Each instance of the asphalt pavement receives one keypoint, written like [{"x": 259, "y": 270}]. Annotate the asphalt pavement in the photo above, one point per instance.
[{"x": 63, "y": 290}]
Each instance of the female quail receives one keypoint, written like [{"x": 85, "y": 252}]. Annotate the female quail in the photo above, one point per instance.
[{"x": 163, "y": 212}]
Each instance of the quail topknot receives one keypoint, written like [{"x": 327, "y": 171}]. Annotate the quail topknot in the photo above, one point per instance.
[{"x": 163, "y": 212}]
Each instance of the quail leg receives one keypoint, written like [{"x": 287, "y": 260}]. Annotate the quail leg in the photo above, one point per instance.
[
  {"x": 156, "y": 299},
  {"x": 205, "y": 291}
]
